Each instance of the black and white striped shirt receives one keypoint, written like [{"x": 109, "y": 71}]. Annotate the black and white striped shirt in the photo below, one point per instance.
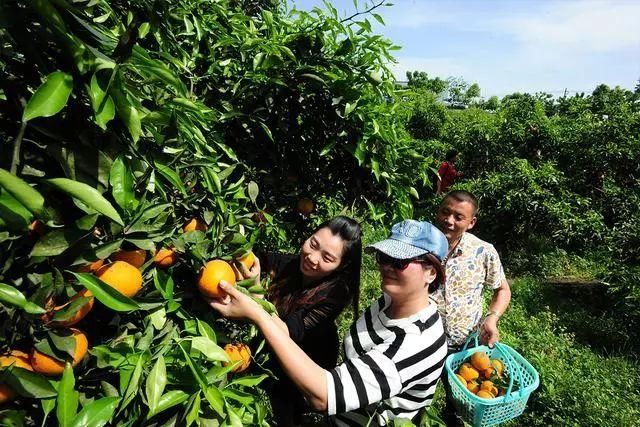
[{"x": 392, "y": 367}]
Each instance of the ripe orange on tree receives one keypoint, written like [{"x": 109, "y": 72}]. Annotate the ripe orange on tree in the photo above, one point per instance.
[
  {"x": 248, "y": 260},
  {"x": 92, "y": 267},
  {"x": 305, "y": 206},
  {"x": 211, "y": 275},
  {"x": 121, "y": 276},
  {"x": 165, "y": 257},
  {"x": 17, "y": 359},
  {"x": 194, "y": 224},
  {"x": 135, "y": 257},
  {"x": 50, "y": 366},
  {"x": 238, "y": 352},
  {"x": 80, "y": 314}
]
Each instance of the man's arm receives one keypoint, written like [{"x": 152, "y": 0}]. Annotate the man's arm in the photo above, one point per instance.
[{"x": 501, "y": 297}]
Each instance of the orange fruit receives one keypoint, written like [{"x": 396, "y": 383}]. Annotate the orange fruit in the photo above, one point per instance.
[
  {"x": 81, "y": 313},
  {"x": 136, "y": 257},
  {"x": 165, "y": 257},
  {"x": 47, "y": 365},
  {"x": 487, "y": 373},
  {"x": 121, "y": 276},
  {"x": 37, "y": 228},
  {"x": 485, "y": 394},
  {"x": 480, "y": 361},
  {"x": 16, "y": 358},
  {"x": 248, "y": 260},
  {"x": 92, "y": 267},
  {"x": 468, "y": 372},
  {"x": 461, "y": 379},
  {"x": 238, "y": 352},
  {"x": 488, "y": 386},
  {"x": 498, "y": 366},
  {"x": 193, "y": 225},
  {"x": 6, "y": 393},
  {"x": 211, "y": 275},
  {"x": 305, "y": 206},
  {"x": 473, "y": 386}
]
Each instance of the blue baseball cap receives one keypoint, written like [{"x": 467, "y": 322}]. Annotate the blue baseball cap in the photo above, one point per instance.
[{"x": 410, "y": 239}]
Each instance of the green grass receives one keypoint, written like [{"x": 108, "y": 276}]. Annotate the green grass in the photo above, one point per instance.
[{"x": 585, "y": 353}]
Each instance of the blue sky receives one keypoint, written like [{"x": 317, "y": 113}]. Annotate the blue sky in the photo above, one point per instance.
[{"x": 513, "y": 46}]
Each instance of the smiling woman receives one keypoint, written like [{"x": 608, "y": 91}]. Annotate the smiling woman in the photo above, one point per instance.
[
  {"x": 310, "y": 290},
  {"x": 394, "y": 352}
]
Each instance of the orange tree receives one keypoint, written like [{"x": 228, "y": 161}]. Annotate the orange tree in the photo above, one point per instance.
[{"x": 147, "y": 139}]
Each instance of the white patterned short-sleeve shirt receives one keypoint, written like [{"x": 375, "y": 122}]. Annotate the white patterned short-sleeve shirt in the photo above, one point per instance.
[{"x": 472, "y": 266}]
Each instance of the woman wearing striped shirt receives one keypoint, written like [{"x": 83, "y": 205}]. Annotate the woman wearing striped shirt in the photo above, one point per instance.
[{"x": 394, "y": 352}]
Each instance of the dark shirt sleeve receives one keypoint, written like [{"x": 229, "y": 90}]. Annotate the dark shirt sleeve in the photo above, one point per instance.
[
  {"x": 273, "y": 263},
  {"x": 302, "y": 321}
]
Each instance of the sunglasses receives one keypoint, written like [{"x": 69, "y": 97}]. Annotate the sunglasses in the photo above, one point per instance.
[{"x": 398, "y": 264}]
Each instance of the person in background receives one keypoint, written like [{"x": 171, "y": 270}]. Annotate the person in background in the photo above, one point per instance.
[
  {"x": 472, "y": 265},
  {"x": 394, "y": 353},
  {"x": 310, "y": 289},
  {"x": 447, "y": 173}
]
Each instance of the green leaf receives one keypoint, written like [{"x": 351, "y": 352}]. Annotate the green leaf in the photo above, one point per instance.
[
  {"x": 266, "y": 130},
  {"x": 133, "y": 386},
  {"x": 22, "y": 192},
  {"x": 70, "y": 310},
  {"x": 249, "y": 380},
  {"x": 253, "y": 191},
  {"x": 13, "y": 214},
  {"x": 98, "y": 413},
  {"x": 106, "y": 294},
  {"x": 143, "y": 30},
  {"x": 67, "y": 397},
  {"x": 169, "y": 399},
  {"x": 12, "y": 296},
  {"x": 50, "y": 97},
  {"x": 63, "y": 342},
  {"x": 156, "y": 382},
  {"x": 171, "y": 176},
  {"x": 29, "y": 384},
  {"x": 56, "y": 242},
  {"x": 209, "y": 349},
  {"x": 87, "y": 195},
  {"x": 194, "y": 411},
  {"x": 102, "y": 103},
  {"x": 211, "y": 393},
  {"x": 121, "y": 181},
  {"x": 313, "y": 77},
  {"x": 128, "y": 114}
]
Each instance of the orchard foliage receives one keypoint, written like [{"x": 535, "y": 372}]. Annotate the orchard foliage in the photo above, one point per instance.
[
  {"x": 550, "y": 173},
  {"x": 127, "y": 120}
]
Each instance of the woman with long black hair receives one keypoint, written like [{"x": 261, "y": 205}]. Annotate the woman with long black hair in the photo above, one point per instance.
[{"x": 310, "y": 290}]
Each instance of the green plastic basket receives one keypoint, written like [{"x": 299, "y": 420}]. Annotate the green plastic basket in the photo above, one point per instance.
[{"x": 482, "y": 412}]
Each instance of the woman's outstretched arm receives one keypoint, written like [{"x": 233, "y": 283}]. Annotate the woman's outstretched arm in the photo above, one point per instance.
[{"x": 310, "y": 378}]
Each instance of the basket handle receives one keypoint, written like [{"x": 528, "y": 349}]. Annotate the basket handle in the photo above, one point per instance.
[
  {"x": 518, "y": 372},
  {"x": 473, "y": 336}
]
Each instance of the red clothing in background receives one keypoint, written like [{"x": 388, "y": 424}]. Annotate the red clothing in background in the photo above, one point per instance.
[{"x": 448, "y": 175}]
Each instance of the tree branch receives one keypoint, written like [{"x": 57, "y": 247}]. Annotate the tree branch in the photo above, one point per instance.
[{"x": 16, "y": 148}]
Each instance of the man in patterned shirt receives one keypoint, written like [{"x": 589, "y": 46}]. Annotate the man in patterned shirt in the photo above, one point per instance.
[{"x": 471, "y": 265}]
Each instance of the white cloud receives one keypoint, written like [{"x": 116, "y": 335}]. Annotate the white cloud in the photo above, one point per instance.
[{"x": 593, "y": 26}]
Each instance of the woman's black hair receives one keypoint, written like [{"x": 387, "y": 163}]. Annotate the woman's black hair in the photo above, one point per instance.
[
  {"x": 438, "y": 267},
  {"x": 451, "y": 154},
  {"x": 286, "y": 297}
]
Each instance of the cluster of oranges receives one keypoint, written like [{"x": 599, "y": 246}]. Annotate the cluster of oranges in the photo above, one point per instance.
[
  {"x": 123, "y": 274},
  {"x": 483, "y": 376}
]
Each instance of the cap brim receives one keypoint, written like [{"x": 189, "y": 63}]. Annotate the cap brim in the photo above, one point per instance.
[{"x": 396, "y": 249}]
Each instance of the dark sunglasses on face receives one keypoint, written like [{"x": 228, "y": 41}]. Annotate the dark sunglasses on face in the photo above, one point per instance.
[{"x": 398, "y": 264}]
